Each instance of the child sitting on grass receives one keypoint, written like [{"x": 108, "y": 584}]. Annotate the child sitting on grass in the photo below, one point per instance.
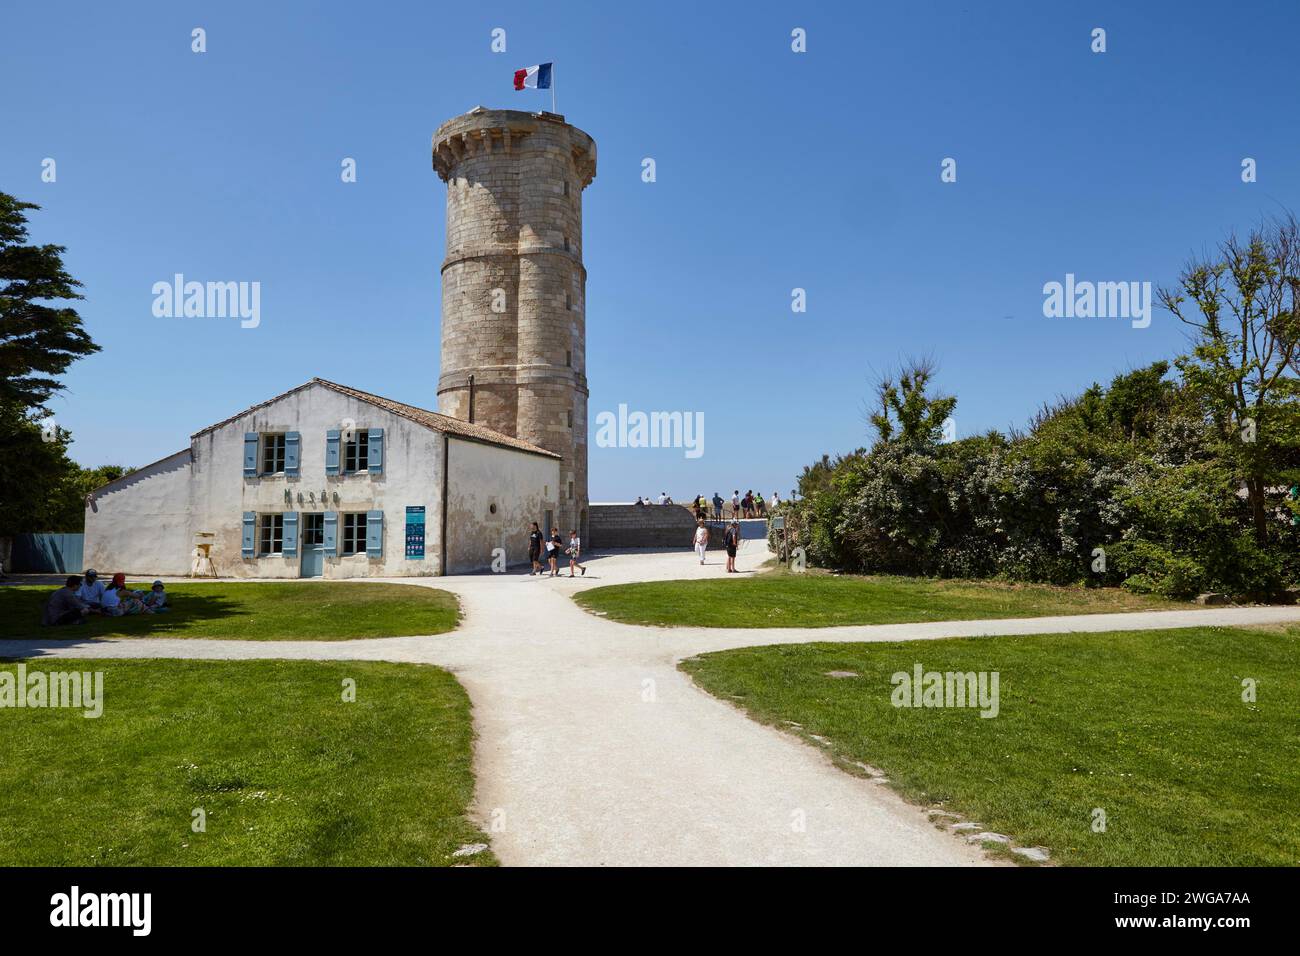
[{"x": 156, "y": 599}]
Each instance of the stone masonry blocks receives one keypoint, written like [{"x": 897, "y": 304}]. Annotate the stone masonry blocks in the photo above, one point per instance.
[{"x": 514, "y": 224}]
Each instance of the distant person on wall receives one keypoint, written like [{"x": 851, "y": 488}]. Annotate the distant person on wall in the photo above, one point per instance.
[
  {"x": 663, "y": 497},
  {"x": 717, "y": 505},
  {"x": 639, "y": 502},
  {"x": 553, "y": 548},
  {"x": 535, "y": 549},
  {"x": 701, "y": 539},
  {"x": 732, "y": 540},
  {"x": 747, "y": 505},
  {"x": 776, "y": 502},
  {"x": 735, "y": 504},
  {"x": 760, "y": 506},
  {"x": 573, "y": 551},
  {"x": 64, "y": 606}
]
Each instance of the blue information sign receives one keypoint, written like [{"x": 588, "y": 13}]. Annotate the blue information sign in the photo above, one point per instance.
[{"x": 414, "y": 532}]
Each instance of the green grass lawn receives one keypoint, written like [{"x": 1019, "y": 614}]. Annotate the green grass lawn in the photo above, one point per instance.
[
  {"x": 784, "y": 599},
  {"x": 1149, "y": 726},
  {"x": 263, "y": 611},
  {"x": 286, "y": 771}
]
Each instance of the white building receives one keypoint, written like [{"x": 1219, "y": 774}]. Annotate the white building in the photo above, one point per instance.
[{"x": 328, "y": 481}]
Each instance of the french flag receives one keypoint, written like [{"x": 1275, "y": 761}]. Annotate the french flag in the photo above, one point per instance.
[{"x": 534, "y": 77}]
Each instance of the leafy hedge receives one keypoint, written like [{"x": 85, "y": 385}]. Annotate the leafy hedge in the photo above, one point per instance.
[{"x": 1124, "y": 485}]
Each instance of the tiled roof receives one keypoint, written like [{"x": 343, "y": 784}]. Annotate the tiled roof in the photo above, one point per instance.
[
  {"x": 421, "y": 416},
  {"x": 440, "y": 422}
]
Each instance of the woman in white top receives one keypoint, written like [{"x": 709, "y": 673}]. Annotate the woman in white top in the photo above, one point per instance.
[
  {"x": 573, "y": 550},
  {"x": 701, "y": 539}
]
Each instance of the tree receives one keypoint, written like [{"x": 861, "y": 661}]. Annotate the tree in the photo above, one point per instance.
[
  {"x": 37, "y": 341},
  {"x": 904, "y": 412},
  {"x": 31, "y": 469},
  {"x": 1243, "y": 308},
  {"x": 40, "y": 487}
]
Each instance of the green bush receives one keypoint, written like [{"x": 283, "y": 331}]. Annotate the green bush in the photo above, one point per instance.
[{"x": 1126, "y": 485}]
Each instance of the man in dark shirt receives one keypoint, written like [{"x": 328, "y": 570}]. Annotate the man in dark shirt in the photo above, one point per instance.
[
  {"x": 535, "y": 548},
  {"x": 731, "y": 538},
  {"x": 64, "y": 607}
]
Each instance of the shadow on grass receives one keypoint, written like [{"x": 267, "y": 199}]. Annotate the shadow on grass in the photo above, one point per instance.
[{"x": 20, "y": 618}]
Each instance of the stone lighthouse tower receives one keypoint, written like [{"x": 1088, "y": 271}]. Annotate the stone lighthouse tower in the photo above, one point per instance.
[{"x": 513, "y": 285}]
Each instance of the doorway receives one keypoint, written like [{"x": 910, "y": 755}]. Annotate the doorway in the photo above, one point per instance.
[{"x": 313, "y": 546}]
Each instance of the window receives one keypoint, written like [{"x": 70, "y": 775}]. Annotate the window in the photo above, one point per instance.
[
  {"x": 566, "y": 187},
  {"x": 566, "y": 243},
  {"x": 568, "y": 301},
  {"x": 354, "y": 533},
  {"x": 272, "y": 454},
  {"x": 313, "y": 530},
  {"x": 272, "y": 537},
  {"x": 570, "y": 489},
  {"x": 568, "y": 359},
  {"x": 569, "y": 417},
  {"x": 356, "y": 455}
]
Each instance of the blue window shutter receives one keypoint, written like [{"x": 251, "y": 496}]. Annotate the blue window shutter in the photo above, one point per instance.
[
  {"x": 332, "y": 452},
  {"x": 249, "y": 548},
  {"x": 292, "y": 441},
  {"x": 250, "y": 454},
  {"x": 374, "y": 534},
  {"x": 290, "y": 548},
  {"x": 375, "y": 451},
  {"x": 331, "y": 541}
]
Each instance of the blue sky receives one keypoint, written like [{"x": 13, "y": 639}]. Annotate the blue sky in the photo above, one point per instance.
[{"x": 775, "y": 170}]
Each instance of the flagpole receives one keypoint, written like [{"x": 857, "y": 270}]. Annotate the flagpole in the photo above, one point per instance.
[{"x": 552, "y": 87}]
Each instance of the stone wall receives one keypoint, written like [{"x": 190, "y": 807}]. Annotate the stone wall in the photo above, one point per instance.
[
  {"x": 647, "y": 526},
  {"x": 514, "y": 286}
]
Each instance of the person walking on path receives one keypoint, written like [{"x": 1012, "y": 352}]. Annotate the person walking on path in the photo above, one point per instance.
[
  {"x": 553, "y": 547},
  {"x": 535, "y": 549},
  {"x": 573, "y": 551},
  {"x": 701, "y": 539},
  {"x": 731, "y": 538}
]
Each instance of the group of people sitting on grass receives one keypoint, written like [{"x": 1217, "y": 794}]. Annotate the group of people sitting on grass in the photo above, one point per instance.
[{"x": 81, "y": 597}]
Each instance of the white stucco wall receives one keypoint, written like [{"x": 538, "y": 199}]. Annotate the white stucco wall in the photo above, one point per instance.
[
  {"x": 412, "y": 475},
  {"x": 146, "y": 523},
  {"x": 140, "y": 524},
  {"x": 522, "y": 486}
]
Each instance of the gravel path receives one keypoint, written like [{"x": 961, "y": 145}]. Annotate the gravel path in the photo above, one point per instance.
[{"x": 594, "y": 749}]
